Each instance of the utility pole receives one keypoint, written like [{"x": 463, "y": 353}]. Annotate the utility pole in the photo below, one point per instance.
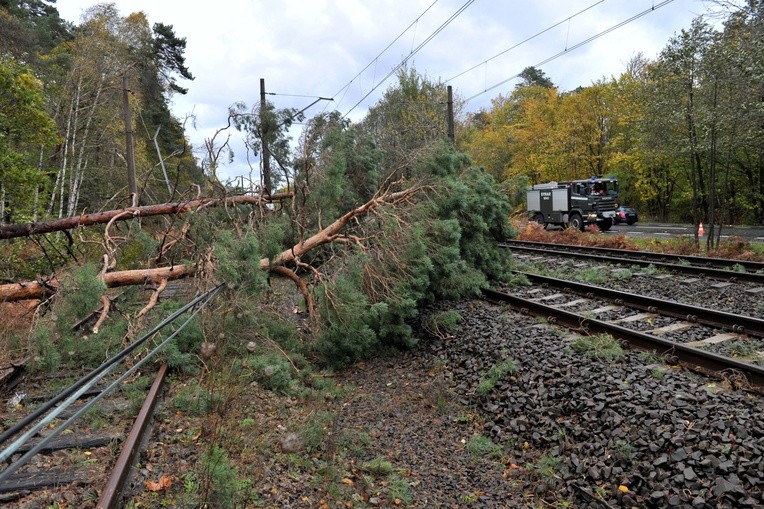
[
  {"x": 450, "y": 106},
  {"x": 129, "y": 153},
  {"x": 266, "y": 150}
]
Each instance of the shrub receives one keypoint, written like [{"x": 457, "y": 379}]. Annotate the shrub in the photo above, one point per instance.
[
  {"x": 273, "y": 372},
  {"x": 78, "y": 296}
]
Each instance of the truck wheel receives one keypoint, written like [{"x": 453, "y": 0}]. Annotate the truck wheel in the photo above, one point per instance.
[
  {"x": 606, "y": 224},
  {"x": 577, "y": 222},
  {"x": 539, "y": 218}
]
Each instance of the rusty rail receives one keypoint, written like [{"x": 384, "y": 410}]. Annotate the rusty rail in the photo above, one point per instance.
[{"x": 112, "y": 493}]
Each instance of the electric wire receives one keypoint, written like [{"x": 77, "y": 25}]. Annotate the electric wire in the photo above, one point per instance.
[
  {"x": 414, "y": 52},
  {"x": 75, "y": 391},
  {"x": 375, "y": 59},
  {"x": 525, "y": 40},
  {"x": 576, "y": 46}
]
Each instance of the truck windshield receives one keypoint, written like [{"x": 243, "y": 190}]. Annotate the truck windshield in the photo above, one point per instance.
[{"x": 606, "y": 187}]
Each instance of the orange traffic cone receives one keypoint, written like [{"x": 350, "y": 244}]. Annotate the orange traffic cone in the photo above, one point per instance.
[{"x": 701, "y": 231}]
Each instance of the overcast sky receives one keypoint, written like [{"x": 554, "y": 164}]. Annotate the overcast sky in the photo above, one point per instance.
[{"x": 316, "y": 47}]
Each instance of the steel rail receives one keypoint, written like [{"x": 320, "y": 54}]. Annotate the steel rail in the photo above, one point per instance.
[
  {"x": 7, "y": 452},
  {"x": 112, "y": 493},
  {"x": 715, "y": 273},
  {"x": 749, "y": 265},
  {"x": 692, "y": 358},
  {"x": 91, "y": 378},
  {"x": 737, "y": 323}
]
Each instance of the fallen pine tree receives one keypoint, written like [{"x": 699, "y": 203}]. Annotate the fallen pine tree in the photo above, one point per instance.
[
  {"x": 332, "y": 233},
  {"x": 26, "y": 229}
]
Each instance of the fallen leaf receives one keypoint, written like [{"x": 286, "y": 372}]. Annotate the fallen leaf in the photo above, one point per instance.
[
  {"x": 165, "y": 481},
  {"x": 623, "y": 489}
]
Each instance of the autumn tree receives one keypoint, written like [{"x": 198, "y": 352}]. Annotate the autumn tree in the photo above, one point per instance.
[{"x": 26, "y": 134}]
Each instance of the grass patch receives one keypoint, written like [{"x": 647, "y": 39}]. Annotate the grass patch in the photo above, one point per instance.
[
  {"x": 546, "y": 467},
  {"x": 443, "y": 323},
  {"x": 399, "y": 490},
  {"x": 480, "y": 446},
  {"x": 599, "y": 346},
  {"x": 379, "y": 466},
  {"x": 315, "y": 430},
  {"x": 195, "y": 400},
  {"x": 496, "y": 373},
  {"x": 354, "y": 443}
]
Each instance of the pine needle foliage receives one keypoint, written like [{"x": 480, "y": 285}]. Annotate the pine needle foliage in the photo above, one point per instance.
[
  {"x": 78, "y": 296},
  {"x": 447, "y": 250},
  {"x": 238, "y": 262},
  {"x": 346, "y": 315}
]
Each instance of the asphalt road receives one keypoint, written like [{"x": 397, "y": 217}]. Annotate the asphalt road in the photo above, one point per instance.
[{"x": 657, "y": 230}]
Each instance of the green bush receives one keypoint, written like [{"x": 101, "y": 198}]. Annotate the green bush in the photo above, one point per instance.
[
  {"x": 238, "y": 262},
  {"x": 346, "y": 334},
  {"x": 221, "y": 477},
  {"x": 274, "y": 372}
]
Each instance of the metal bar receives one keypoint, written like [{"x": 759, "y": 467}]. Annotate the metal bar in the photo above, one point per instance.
[
  {"x": 112, "y": 493},
  {"x": 726, "y": 275},
  {"x": 750, "y": 265},
  {"x": 693, "y": 358},
  {"x": 737, "y": 323}
]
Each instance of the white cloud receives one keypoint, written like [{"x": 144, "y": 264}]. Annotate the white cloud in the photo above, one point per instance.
[{"x": 315, "y": 47}]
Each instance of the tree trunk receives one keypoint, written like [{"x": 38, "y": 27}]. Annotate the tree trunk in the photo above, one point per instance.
[
  {"x": 26, "y": 229},
  {"x": 39, "y": 290},
  {"x": 330, "y": 233}
]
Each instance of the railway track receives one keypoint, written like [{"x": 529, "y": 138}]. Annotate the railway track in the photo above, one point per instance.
[
  {"x": 717, "y": 268},
  {"x": 699, "y": 338},
  {"x": 58, "y": 436}
]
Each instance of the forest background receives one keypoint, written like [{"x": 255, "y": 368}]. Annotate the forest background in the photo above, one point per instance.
[{"x": 683, "y": 133}]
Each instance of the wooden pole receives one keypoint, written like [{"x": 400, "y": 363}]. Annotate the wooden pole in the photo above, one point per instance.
[
  {"x": 129, "y": 152},
  {"x": 266, "y": 150},
  {"x": 450, "y": 113}
]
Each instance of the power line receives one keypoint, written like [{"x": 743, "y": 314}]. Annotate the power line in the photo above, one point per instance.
[
  {"x": 524, "y": 41},
  {"x": 576, "y": 46},
  {"x": 373, "y": 60},
  {"x": 414, "y": 52}
]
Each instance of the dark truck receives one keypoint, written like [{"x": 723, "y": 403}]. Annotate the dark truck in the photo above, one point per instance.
[{"x": 574, "y": 204}]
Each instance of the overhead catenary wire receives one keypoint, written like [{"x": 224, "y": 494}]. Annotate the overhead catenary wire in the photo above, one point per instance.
[
  {"x": 375, "y": 59},
  {"x": 576, "y": 46},
  {"x": 413, "y": 52},
  {"x": 542, "y": 32}
]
